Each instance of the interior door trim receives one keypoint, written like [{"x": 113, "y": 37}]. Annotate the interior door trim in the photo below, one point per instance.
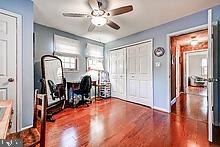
[{"x": 19, "y": 72}]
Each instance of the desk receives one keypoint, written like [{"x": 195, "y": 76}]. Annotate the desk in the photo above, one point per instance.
[
  {"x": 5, "y": 116},
  {"x": 75, "y": 85}
]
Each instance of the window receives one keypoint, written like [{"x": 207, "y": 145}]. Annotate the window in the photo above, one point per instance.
[
  {"x": 66, "y": 45},
  {"x": 94, "y": 64},
  {"x": 68, "y": 51},
  {"x": 69, "y": 63},
  {"x": 204, "y": 66},
  {"x": 93, "y": 50}
]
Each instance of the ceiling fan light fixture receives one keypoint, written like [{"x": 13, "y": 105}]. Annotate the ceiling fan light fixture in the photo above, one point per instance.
[
  {"x": 99, "y": 20},
  {"x": 194, "y": 42}
]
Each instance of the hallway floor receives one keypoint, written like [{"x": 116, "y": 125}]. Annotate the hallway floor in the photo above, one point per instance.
[
  {"x": 191, "y": 106},
  {"x": 202, "y": 91}
]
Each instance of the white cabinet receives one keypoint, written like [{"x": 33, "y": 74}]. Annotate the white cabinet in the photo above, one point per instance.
[
  {"x": 118, "y": 73},
  {"x": 131, "y": 73}
]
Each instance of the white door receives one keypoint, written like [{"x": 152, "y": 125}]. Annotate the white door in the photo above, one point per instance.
[
  {"x": 212, "y": 74},
  {"x": 132, "y": 55},
  {"x": 8, "y": 61},
  {"x": 121, "y": 73},
  {"x": 113, "y": 72},
  {"x": 139, "y": 77},
  {"x": 118, "y": 73}
]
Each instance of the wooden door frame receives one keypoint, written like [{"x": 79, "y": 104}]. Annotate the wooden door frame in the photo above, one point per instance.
[
  {"x": 19, "y": 71},
  {"x": 190, "y": 30}
]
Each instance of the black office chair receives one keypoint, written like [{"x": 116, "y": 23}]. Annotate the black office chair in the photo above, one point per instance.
[
  {"x": 84, "y": 90},
  {"x": 56, "y": 91}
]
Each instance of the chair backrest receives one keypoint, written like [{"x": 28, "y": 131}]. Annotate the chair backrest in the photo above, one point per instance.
[
  {"x": 86, "y": 84},
  {"x": 40, "y": 106},
  {"x": 57, "y": 91},
  {"x": 52, "y": 86}
]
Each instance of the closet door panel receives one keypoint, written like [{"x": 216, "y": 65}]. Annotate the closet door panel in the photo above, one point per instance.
[
  {"x": 121, "y": 85},
  {"x": 114, "y": 86},
  {"x": 140, "y": 74},
  {"x": 132, "y": 88},
  {"x": 113, "y": 73},
  {"x": 121, "y": 61},
  {"x": 118, "y": 73},
  {"x": 143, "y": 67},
  {"x": 143, "y": 88},
  {"x": 113, "y": 63}
]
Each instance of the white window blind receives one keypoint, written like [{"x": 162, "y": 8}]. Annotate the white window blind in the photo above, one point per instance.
[
  {"x": 66, "y": 45},
  {"x": 94, "y": 50}
]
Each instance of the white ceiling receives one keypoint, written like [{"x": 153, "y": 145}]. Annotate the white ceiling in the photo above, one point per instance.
[{"x": 146, "y": 14}]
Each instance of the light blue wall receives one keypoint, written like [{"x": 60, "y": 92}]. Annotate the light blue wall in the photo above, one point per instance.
[
  {"x": 44, "y": 45},
  {"x": 25, "y": 9},
  {"x": 159, "y": 36}
]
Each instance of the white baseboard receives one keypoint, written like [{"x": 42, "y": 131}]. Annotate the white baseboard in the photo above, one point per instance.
[
  {"x": 160, "y": 109},
  {"x": 27, "y": 127}
]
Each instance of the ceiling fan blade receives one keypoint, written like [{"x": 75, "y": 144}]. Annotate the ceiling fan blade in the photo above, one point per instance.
[
  {"x": 75, "y": 15},
  {"x": 94, "y": 4},
  {"x": 113, "y": 25},
  {"x": 121, "y": 10},
  {"x": 91, "y": 27}
]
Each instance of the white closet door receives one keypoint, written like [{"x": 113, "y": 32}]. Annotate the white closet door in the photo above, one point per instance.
[
  {"x": 118, "y": 73},
  {"x": 132, "y": 70},
  {"x": 139, "y": 78},
  {"x": 121, "y": 68},
  {"x": 113, "y": 72}
]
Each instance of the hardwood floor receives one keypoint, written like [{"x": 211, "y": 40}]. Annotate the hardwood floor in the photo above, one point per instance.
[
  {"x": 191, "y": 106},
  {"x": 113, "y": 122},
  {"x": 202, "y": 91}
]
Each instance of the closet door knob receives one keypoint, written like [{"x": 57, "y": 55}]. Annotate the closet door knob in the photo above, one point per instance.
[{"x": 11, "y": 80}]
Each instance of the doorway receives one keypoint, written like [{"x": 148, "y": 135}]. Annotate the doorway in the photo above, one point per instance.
[
  {"x": 189, "y": 74},
  {"x": 196, "y": 72},
  {"x": 212, "y": 72},
  {"x": 189, "y": 71}
]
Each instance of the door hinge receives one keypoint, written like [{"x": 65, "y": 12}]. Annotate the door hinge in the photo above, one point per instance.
[
  {"x": 212, "y": 36},
  {"x": 212, "y": 108}
]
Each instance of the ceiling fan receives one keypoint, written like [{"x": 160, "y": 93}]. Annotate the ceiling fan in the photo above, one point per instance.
[{"x": 99, "y": 16}]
